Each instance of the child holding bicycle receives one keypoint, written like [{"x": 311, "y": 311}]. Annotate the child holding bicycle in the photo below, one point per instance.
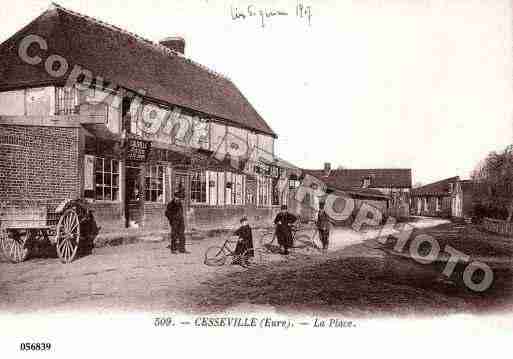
[{"x": 245, "y": 242}]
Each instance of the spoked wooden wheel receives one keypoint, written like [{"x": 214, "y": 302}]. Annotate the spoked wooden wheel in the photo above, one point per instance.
[
  {"x": 15, "y": 244},
  {"x": 68, "y": 236},
  {"x": 215, "y": 256}
]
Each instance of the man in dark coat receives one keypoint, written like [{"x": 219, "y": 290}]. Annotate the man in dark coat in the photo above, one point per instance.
[
  {"x": 245, "y": 242},
  {"x": 323, "y": 226},
  {"x": 284, "y": 221},
  {"x": 175, "y": 216}
]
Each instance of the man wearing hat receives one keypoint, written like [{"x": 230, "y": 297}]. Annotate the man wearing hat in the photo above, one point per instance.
[
  {"x": 175, "y": 216},
  {"x": 323, "y": 226},
  {"x": 284, "y": 221}
]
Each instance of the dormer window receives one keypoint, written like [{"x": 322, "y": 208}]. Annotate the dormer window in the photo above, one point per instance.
[{"x": 366, "y": 182}]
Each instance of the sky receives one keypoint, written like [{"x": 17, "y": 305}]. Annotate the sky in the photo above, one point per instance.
[{"x": 419, "y": 84}]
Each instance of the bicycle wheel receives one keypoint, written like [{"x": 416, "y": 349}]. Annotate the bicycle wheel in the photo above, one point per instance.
[
  {"x": 267, "y": 239},
  {"x": 215, "y": 256},
  {"x": 255, "y": 257},
  {"x": 306, "y": 244}
]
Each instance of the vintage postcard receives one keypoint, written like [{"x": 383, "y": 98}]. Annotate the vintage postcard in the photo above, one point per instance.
[{"x": 227, "y": 178}]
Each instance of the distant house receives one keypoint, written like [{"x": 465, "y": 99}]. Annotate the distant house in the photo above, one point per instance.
[
  {"x": 435, "y": 199},
  {"x": 384, "y": 188},
  {"x": 462, "y": 199}
]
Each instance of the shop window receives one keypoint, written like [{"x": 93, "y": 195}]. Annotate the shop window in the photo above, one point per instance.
[
  {"x": 275, "y": 192},
  {"x": 212, "y": 187},
  {"x": 229, "y": 187},
  {"x": 154, "y": 184},
  {"x": 251, "y": 191},
  {"x": 106, "y": 179},
  {"x": 239, "y": 190},
  {"x": 263, "y": 191},
  {"x": 293, "y": 184},
  {"x": 438, "y": 203},
  {"x": 198, "y": 187},
  {"x": 221, "y": 183},
  {"x": 236, "y": 189},
  {"x": 66, "y": 100}
]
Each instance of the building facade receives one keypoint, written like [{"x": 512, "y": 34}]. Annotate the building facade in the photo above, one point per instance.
[
  {"x": 385, "y": 189},
  {"x": 124, "y": 123},
  {"x": 462, "y": 199},
  {"x": 435, "y": 199}
]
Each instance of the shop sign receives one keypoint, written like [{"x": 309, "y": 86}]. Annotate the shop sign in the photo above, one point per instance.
[
  {"x": 137, "y": 150},
  {"x": 88, "y": 173}
]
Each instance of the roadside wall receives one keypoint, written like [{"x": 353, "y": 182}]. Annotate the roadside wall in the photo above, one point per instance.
[{"x": 498, "y": 226}]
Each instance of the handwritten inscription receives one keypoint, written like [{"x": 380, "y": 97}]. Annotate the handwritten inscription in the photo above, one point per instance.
[
  {"x": 252, "y": 11},
  {"x": 303, "y": 12}
]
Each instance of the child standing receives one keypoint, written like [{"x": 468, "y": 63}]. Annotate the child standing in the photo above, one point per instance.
[{"x": 245, "y": 240}]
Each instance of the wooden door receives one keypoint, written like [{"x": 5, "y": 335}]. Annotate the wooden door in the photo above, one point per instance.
[{"x": 134, "y": 197}]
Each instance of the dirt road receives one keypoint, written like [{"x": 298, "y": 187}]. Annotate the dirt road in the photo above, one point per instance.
[{"x": 145, "y": 277}]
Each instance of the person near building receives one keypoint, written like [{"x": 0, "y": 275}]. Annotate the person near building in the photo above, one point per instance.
[
  {"x": 175, "y": 216},
  {"x": 245, "y": 242},
  {"x": 323, "y": 226},
  {"x": 284, "y": 221}
]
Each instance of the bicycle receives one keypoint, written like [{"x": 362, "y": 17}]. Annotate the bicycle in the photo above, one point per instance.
[
  {"x": 217, "y": 255},
  {"x": 299, "y": 241}
]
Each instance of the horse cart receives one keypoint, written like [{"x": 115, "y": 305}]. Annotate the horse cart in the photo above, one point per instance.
[{"x": 67, "y": 226}]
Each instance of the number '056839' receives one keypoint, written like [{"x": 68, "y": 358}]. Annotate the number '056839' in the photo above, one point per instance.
[{"x": 35, "y": 346}]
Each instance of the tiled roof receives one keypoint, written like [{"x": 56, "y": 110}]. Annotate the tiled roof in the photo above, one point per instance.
[
  {"x": 440, "y": 188},
  {"x": 129, "y": 61},
  {"x": 353, "y": 178}
]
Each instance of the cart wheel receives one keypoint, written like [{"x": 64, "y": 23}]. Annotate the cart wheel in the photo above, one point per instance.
[
  {"x": 215, "y": 256},
  {"x": 15, "y": 244},
  {"x": 68, "y": 236}
]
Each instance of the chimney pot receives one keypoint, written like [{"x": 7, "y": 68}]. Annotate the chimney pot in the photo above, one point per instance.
[
  {"x": 327, "y": 168},
  {"x": 174, "y": 43}
]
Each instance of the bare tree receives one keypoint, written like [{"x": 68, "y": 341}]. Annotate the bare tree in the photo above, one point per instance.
[{"x": 493, "y": 179}]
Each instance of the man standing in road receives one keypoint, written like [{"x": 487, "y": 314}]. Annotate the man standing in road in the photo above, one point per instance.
[
  {"x": 323, "y": 226},
  {"x": 175, "y": 216},
  {"x": 283, "y": 221}
]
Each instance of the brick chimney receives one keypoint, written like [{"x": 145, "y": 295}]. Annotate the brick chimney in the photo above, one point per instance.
[
  {"x": 174, "y": 43},
  {"x": 327, "y": 169}
]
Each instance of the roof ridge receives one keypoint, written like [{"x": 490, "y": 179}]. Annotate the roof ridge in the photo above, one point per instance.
[
  {"x": 360, "y": 169},
  {"x": 438, "y": 182},
  {"x": 139, "y": 38}
]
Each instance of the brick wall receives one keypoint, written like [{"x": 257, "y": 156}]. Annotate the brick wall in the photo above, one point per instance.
[{"x": 39, "y": 164}]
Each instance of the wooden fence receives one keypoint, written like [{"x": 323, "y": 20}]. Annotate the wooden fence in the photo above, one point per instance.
[{"x": 498, "y": 226}]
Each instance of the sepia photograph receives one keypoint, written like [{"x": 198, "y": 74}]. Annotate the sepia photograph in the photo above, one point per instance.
[{"x": 249, "y": 178}]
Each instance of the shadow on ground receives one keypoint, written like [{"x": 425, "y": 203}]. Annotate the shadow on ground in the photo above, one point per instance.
[{"x": 360, "y": 281}]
